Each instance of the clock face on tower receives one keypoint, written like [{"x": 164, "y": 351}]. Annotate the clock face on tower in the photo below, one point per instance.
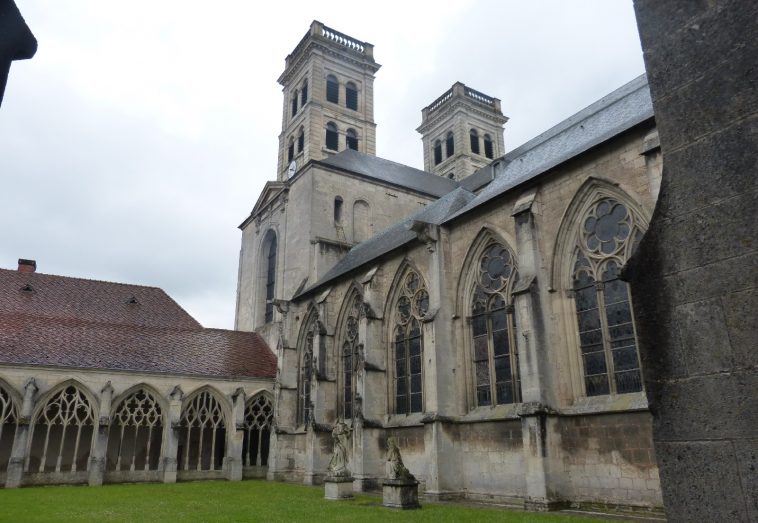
[{"x": 292, "y": 169}]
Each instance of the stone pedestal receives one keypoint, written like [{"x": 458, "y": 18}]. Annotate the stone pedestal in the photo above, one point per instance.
[
  {"x": 338, "y": 488},
  {"x": 400, "y": 493}
]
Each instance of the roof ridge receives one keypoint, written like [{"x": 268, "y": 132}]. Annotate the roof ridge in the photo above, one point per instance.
[
  {"x": 83, "y": 321},
  {"x": 86, "y": 279}
]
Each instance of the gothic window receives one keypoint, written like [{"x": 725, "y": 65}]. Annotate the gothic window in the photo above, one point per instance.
[
  {"x": 449, "y": 145},
  {"x": 332, "y": 89},
  {"x": 294, "y": 103},
  {"x": 351, "y": 96},
  {"x": 608, "y": 235},
  {"x": 408, "y": 341},
  {"x": 488, "y": 150},
  {"x": 437, "y": 152},
  {"x": 304, "y": 93},
  {"x": 301, "y": 140},
  {"x": 361, "y": 221},
  {"x": 8, "y": 424},
  {"x": 349, "y": 358},
  {"x": 255, "y": 444},
  {"x": 351, "y": 139},
  {"x": 338, "y": 209},
  {"x": 332, "y": 140},
  {"x": 270, "y": 274},
  {"x": 62, "y": 433},
  {"x": 291, "y": 150},
  {"x": 474, "y": 141},
  {"x": 136, "y": 434},
  {"x": 306, "y": 374},
  {"x": 492, "y": 326},
  {"x": 202, "y": 434}
]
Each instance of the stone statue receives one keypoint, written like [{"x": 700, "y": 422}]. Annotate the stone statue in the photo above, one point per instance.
[
  {"x": 395, "y": 468},
  {"x": 340, "y": 438}
]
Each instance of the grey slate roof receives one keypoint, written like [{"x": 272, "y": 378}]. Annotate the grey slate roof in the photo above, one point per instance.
[
  {"x": 394, "y": 236},
  {"x": 620, "y": 110},
  {"x": 390, "y": 172}
]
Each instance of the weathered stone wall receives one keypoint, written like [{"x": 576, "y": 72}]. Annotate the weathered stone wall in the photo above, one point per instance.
[{"x": 694, "y": 276}]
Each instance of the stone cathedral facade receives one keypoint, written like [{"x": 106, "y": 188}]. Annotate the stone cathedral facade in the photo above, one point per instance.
[{"x": 473, "y": 310}]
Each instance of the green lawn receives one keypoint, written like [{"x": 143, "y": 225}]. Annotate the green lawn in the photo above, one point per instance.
[{"x": 225, "y": 502}]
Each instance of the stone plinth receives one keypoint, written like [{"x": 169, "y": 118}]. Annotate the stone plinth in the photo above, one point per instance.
[
  {"x": 338, "y": 488},
  {"x": 400, "y": 493}
]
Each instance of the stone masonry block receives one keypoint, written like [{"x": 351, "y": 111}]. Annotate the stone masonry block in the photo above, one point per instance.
[{"x": 704, "y": 337}]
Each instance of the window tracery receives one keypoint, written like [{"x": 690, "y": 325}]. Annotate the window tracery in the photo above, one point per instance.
[
  {"x": 608, "y": 235},
  {"x": 408, "y": 340},
  {"x": 63, "y": 430},
  {"x": 8, "y": 425},
  {"x": 350, "y": 357},
  {"x": 202, "y": 435},
  {"x": 305, "y": 406},
  {"x": 136, "y": 433},
  {"x": 495, "y": 353},
  {"x": 255, "y": 445}
]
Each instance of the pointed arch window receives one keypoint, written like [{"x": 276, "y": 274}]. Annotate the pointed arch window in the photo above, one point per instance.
[
  {"x": 305, "y": 406},
  {"x": 8, "y": 426},
  {"x": 332, "y": 137},
  {"x": 609, "y": 234},
  {"x": 332, "y": 89},
  {"x": 62, "y": 433},
  {"x": 270, "y": 275},
  {"x": 488, "y": 148},
  {"x": 202, "y": 434},
  {"x": 474, "y": 137},
  {"x": 259, "y": 413},
  {"x": 136, "y": 433},
  {"x": 408, "y": 343},
  {"x": 351, "y": 96},
  {"x": 437, "y": 152},
  {"x": 449, "y": 145},
  {"x": 495, "y": 354},
  {"x": 350, "y": 358}
]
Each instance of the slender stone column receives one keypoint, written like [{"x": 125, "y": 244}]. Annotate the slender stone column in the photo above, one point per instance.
[
  {"x": 236, "y": 437},
  {"x": 96, "y": 469},
  {"x": 536, "y": 383},
  {"x": 15, "y": 471},
  {"x": 171, "y": 435}
]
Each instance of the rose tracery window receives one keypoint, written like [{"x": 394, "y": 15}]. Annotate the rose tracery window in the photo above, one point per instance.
[
  {"x": 255, "y": 446},
  {"x": 8, "y": 424},
  {"x": 408, "y": 340},
  {"x": 495, "y": 354},
  {"x": 136, "y": 434},
  {"x": 62, "y": 433},
  {"x": 609, "y": 234},
  {"x": 349, "y": 358},
  {"x": 202, "y": 435}
]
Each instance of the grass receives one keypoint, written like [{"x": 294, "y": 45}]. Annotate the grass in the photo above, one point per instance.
[{"x": 227, "y": 502}]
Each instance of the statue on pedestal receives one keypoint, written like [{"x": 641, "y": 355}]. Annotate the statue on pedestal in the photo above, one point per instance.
[
  {"x": 338, "y": 464},
  {"x": 395, "y": 467}
]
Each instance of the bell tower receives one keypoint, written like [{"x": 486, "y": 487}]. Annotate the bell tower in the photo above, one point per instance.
[
  {"x": 328, "y": 87},
  {"x": 461, "y": 131}
]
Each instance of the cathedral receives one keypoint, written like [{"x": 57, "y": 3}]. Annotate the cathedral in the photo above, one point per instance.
[{"x": 475, "y": 311}]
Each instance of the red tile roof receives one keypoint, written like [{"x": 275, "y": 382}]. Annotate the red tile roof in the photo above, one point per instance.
[{"x": 72, "y": 322}]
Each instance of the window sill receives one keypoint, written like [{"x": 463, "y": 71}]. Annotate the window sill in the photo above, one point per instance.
[
  {"x": 489, "y": 413},
  {"x": 633, "y": 401},
  {"x": 405, "y": 420}
]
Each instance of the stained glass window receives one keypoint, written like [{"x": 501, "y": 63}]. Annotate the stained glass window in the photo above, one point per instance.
[
  {"x": 349, "y": 357},
  {"x": 408, "y": 341}
]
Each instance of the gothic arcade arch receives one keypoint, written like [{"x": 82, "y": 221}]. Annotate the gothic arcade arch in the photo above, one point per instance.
[
  {"x": 599, "y": 231},
  {"x": 62, "y": 429},
  {"x": 10, "y": 407},
  {"x": 203, "y": 430},
  {"x": 137, "y": 431},
  {"x": 259, "y": 414}
]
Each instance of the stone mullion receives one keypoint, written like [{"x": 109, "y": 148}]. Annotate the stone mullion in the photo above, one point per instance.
[
  {"x": 169, "y": 459},
  {"x": 96, "y": 471}
]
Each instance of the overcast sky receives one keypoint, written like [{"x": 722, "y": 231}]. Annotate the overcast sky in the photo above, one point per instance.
[{"x": 138, "y": 138}]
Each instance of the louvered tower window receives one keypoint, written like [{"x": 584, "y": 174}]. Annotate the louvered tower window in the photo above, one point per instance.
[
  {"x": 351, "y": 139},
  {"x": 488, "y": 149},
  {"x": 474, "y": 141},
  {"x": 332, "y": 137},
  {"x": 437, "y": 152},
  {"x": 351, "y": 96},
  {"x": 449, "y": 144},
  {"x": 332, "y": 89}
]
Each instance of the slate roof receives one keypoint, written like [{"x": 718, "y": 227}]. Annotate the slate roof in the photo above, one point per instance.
[
  {"x": 393, "y": 237},
  {"x": 74, "y": 322},
  {"x": 390, "y": 172},
  {"x": 620, "y": 110}
]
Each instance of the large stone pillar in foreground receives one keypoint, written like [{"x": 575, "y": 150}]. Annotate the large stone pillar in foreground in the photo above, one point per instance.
[{"x": 694, "y": 278}]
